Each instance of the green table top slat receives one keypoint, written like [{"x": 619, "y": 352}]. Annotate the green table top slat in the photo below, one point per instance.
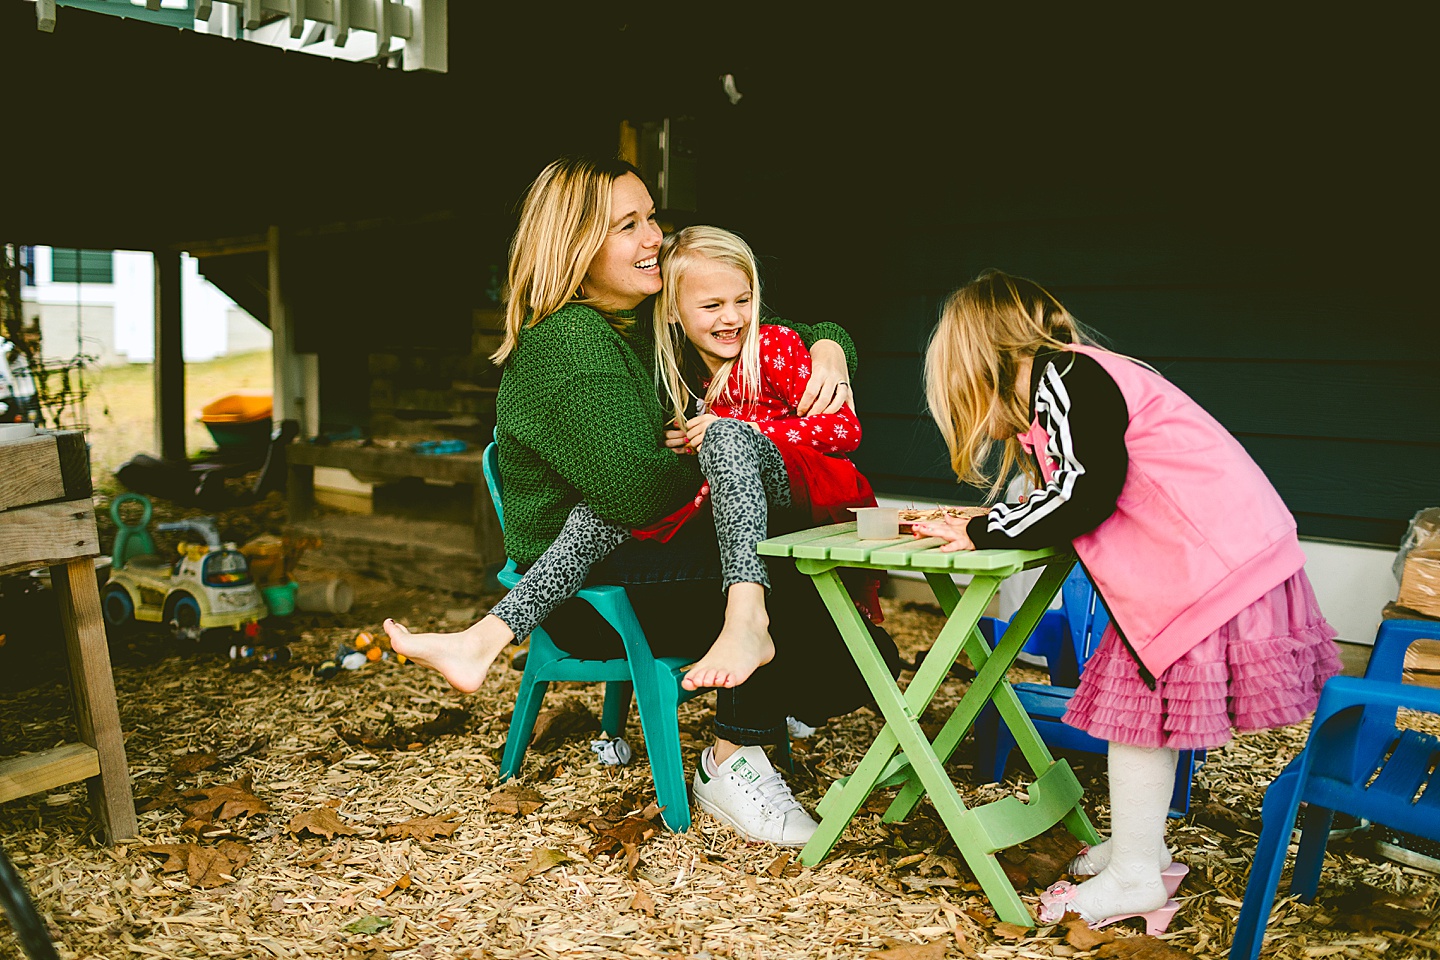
[
  {"x": 824, "y": 548},
  {"x": 861, "y": 550},
  {"x": 781, "y": 546}
]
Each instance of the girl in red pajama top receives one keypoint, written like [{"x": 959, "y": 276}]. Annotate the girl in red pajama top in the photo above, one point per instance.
[{"x": 753, "y": 376}]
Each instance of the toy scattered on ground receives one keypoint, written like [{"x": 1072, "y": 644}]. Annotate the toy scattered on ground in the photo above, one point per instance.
[
  {"x": 366, "y": 648},
  {"x": 271, "y": 560},
  {"x": 245, "y": 657},
  {"x": 208, "y": 587}
]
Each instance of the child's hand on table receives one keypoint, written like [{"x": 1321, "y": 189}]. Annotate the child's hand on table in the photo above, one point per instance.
[{"x": 950, "y": 529}]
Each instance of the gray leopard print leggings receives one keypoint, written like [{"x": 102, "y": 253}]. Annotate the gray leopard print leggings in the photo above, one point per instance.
[{"x": 746, "y": 474}]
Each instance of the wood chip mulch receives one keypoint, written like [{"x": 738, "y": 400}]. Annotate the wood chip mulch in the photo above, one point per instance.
[{"x": 288, "y": 816}]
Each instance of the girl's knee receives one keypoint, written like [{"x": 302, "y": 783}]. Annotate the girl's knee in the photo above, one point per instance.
[{"x": 726, "y": 438}]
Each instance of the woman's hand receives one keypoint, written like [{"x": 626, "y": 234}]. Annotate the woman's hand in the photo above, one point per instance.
[
  {"x": 829, "y": 386},
  {"x": 950, "y": 529},
  {"x": 677, "y": 440}
]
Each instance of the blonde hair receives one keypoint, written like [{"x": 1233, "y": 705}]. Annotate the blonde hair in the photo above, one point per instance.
[
  {"x": 679, "y": 252},
  {"x": 986, "y": 329},
  {"x": 564, "y": 220}
]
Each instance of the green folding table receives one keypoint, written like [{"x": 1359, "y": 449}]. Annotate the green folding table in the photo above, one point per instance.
[{"x": 902, "y": 755}]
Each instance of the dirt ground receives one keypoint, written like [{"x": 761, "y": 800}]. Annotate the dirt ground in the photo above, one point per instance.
[{"x": 284, "y": 815}]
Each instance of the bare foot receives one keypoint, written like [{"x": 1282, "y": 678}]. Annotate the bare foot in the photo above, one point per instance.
[
  {"x": 743, "y": 645},
  {"x": 462, "y": 658}
]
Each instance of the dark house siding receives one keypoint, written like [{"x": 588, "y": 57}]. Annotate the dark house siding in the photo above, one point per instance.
[{"x": 1251, "y": 224}]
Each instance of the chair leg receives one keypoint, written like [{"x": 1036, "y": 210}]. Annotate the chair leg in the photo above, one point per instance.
[
  {"x": 993, "y": 743},
  {"x": 618, "y": 695},
  {"x": 1184, "y": 776},
  {"x": 1277, "y": 815},
  {"x": 527, "y": 703},
  {"x": 1314, "y": 837},
  {"x": 656, "y": 702}
]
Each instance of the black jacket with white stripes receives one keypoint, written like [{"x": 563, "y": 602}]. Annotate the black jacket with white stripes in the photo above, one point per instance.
[{"x": 1082, "y": 410}]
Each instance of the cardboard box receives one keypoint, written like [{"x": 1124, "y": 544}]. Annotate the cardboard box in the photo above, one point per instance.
[
  {"x": 1420, "y": 582},
  {"x": 1422, "y": 663}
]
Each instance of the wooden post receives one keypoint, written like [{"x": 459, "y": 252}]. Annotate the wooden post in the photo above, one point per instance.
[
  {"x": 92, "y": 689},
  {"x": 287, "y": 380},
  {"x": 169, "y": 358}
]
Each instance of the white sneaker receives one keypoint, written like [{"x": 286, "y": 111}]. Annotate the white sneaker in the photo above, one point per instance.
[
  {"x": 749, "y": 796},
  {"x": 799, "y": 729}
]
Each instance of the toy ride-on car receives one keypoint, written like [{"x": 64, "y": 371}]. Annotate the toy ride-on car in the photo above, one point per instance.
[{"x": 207, "y": 587}]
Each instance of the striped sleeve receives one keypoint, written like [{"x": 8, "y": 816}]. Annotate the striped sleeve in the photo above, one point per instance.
[{"x": 1084, "y": 413}]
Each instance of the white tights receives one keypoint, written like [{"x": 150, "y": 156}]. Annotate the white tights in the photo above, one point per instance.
[{"x": 1141, "y": 781}]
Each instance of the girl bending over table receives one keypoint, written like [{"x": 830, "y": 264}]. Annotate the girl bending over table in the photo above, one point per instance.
[{"x": 1214, "y": 624}]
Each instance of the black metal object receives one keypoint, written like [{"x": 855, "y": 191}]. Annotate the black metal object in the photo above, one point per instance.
[{"x": 30, "y": 930}]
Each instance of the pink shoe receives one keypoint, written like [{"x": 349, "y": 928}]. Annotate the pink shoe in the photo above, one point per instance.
[
  {"x": 1055, "y": 903},
  {"x": 1171, "y": 876}
]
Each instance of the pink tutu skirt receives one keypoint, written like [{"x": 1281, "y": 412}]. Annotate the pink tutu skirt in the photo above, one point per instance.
[{"x": 1263, "y": 669}]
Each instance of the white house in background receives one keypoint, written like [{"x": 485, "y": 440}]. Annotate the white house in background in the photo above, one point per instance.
[{"x": 101, "y": 303}]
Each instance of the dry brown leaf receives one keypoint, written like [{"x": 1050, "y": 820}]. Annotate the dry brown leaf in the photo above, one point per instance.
[
  {"x": 516, "y": 799},
  {"x": 401, "y": 884},
  {"x": 1366, "y": 909},
  {"x": 540, "y": 861},
  {"x": 175, "y": 853},
  {"x": 642, "y": 903},
  {"x": 422, "y": 828},
  {"x": 194, "y": 763},
  {"x": 910, "y": 951},
  {"x": 1079, "y": 935},
  {"x": 205, "y": 866},
  {"x": 1141, "y": 947},
  {"x": 449, "y": 720},
  {"x": 215, "y": 866},
  {"x": 224, "y": 801},
  {"x": 322, "y": 822},
  {"x": 569, "y": 718},
  {"x": 777, "y": 866},
  {"x": 1010, "y": 931}
]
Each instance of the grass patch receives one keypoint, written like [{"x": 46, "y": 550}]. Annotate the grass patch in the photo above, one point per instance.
[{"x": 120, "y": 407}]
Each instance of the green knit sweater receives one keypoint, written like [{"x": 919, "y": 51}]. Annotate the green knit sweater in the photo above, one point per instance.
[{"x": 578, "y": 418}]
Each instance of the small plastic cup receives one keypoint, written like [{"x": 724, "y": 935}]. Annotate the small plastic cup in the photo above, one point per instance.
[
  {"x": 280, "y": 598},
  {"x": 877, "y": 523}
]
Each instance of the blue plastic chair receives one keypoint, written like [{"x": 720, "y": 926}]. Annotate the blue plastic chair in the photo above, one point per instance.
[
  {"x": 1355, "y": 761},
  {"x": 652, "y": 682},
  {"x": 1066, "y": 638}
]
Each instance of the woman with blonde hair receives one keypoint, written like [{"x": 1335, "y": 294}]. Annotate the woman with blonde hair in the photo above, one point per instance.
[{"x": 580, "y": 425}]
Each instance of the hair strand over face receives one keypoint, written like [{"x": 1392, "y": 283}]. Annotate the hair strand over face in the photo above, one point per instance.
[{"x": 986, "y": 329}]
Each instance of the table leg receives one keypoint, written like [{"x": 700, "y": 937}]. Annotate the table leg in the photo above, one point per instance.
[{"x": 93, "y": 691}]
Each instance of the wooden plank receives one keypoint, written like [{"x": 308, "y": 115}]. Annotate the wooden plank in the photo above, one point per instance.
[
  {"x": 390, "y": 462},
  {"x": 92, "y": 690},
  {"x": 30, "y": 472},
  {"x": 47, "y": 534},
  {"x": 35, "y": 772},
  {"x": 74, "y": 463}
]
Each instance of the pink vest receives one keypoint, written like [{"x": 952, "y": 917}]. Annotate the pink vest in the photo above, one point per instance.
[{"x": 1198, "y": 533}]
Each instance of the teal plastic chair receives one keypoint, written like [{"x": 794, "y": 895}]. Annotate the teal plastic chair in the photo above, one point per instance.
[
  {"x": 1356, "y": 761},
  {"x": 652, "y": 682}
]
